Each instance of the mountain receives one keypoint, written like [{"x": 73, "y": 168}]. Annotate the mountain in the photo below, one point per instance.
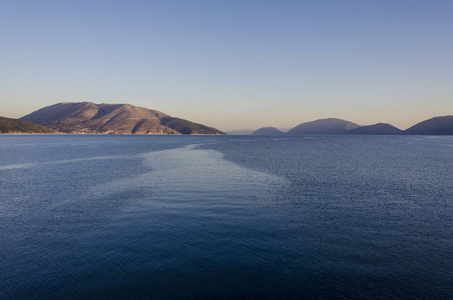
[
  {"x": 8, "y": 125},
  {"x": 380, "y": 128},
  {"x": 435, "y": 126},
  {"x": 88, "y": 117},
  {"x": 324, "y": 126},
  {"x": 267, "y": 131}
]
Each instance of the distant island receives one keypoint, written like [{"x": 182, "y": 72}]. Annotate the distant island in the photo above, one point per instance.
[
  {"x": 324, "y": 126},
  {"x": 91, "y": 118},
  {"x": 267, "y": 131},
  {"x": 434, "y": 126},
  {"x": 240, "y": 132}
]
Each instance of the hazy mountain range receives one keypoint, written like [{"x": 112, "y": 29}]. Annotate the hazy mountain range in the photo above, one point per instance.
[
  {"x": 240, "y": 132},
  {"x": 88, "y": 117},
  {"x": 264, "y": 130},
  {"x": 435, "y": 126}
]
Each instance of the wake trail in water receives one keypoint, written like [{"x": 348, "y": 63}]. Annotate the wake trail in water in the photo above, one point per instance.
[{"x": 191, "y": 171}]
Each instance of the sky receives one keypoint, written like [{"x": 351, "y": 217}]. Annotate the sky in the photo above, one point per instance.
[{"x": 235, "y": 64}]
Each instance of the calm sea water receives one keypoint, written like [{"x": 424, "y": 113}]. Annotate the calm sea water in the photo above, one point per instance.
[{"x": 221, "y": 217}]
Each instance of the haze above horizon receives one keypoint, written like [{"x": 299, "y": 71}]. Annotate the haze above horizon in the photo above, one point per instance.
[{"x": 233, "y": 64}]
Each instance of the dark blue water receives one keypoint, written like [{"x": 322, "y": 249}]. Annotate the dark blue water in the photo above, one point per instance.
[{"x": 221, "y": 217}]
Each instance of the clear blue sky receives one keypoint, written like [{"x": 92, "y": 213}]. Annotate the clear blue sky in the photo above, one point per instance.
[{"x": 232, "y": 64}]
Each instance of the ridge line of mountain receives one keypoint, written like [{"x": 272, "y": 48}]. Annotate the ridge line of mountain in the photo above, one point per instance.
[{"x": 441, "y": 125}]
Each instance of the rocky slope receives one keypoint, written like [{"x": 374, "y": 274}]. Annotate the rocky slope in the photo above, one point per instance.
[
  {"x": 8, "y": 125},
  {"x": 88, "y": 117}
]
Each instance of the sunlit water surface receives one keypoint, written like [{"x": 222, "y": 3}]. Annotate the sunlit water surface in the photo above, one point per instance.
[{"x": 207, "y": 217}]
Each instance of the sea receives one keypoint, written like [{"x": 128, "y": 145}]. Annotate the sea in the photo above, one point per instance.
[{"x": 226, "y": 217}]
